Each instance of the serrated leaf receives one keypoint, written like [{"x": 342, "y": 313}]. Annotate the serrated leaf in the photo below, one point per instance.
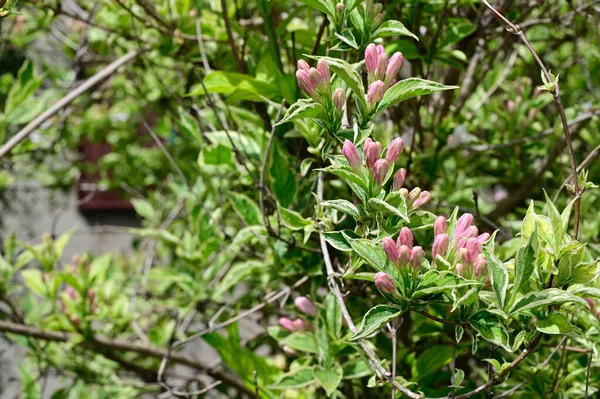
[
  {"x": 292, "y": 219},
  {"x": 376, "y": 318},
  {"x": 551, "y": 296},
  {"x": 465, "y": 299},
  {"x": 382, "y": 206},
  {"x": 343, "y": 206},
  {"x": 490, "y": 329},
  {"x": 329, "y": 378},
  {"x": 370, "y": 252},
  {"x": 336, "y": 239},
  {"x": 324, "y": 6},
  {"x": 303, "y": 108},
  {"x": 246, "y": 209},
  {"x": 295, "y": 379},
  {"x": 524, "y": 266},
  {"x": 409, "y": 88},
  {"x": 393, "y": 28},
  {"x": 237, "y": 273},
  {"x": 499, "y": 276},
  {"x": 582, "y": 273},
  {"x": 556, "y": 323}
]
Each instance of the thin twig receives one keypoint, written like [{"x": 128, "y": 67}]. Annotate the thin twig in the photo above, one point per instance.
[
  {"x": 66, "y": 100},
  {"x": 319, "y": 35},
  {"x": 240, "y": 66},
  {"x": 587, "y": 376}
]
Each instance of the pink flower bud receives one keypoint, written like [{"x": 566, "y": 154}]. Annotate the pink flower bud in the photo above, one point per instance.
[
  {"x": 382, "y": 64},
  {"x": 440, "y": 245},
  {"x": 510, "y": 105},
  {"x": 405, "y": 238},
  {"x": 439, "y": 226},
  {"x": 422, "y": 200},
  {"x": 300, "y": 325},
  {"x": 91, "y": 295},
  {"x": 414, "y": 194},
  {"x": 375, "y": 92},
  {"x": 598, "y": 314},
  {"x": 305, "y": 82},
  {"x": 590, "y": 302},
  {"x": 306, "y": 306},
  {"x": 371, "y": 58},
  {"x": 286, "y": 323},
  {"x": 473, "y": 248},
  {"x": 351, "y": 154},
  {"x": 403, "y": 192},
  {"x": 317, "y": 78},
  {"x": 464, "y": 222},
  {"x": 372, "y": 149},
  {"x": 394, "y": 150},
  {"x": 417, "y": 257},
  {"x": 385, "y": 283},
  {"x": 339, "y": 98},
  {"x": 480, "y": 267},
  {"x": 303, "y": 66},
  {"x": 391, "y": 250},
  {"x": 71, "y": 292},
  {"x": 471, "y": 232},
  {"x": 460, "y": 269},
  {"x": 482, "y": 238},
  {"x": 380, "y": 171},
  {"x": 288, "y": 351},
  {"x": 62, "y": 307},
  {"x": 404, "y": 255},
  {"x": 323, "y": 68},
  {"x": 393, "y": 66},
  {"x": 74, "y": 320},
  {"x": 340, "y": 8},
  {"x": 463, "y": 254},
  {"x": 399, "y": 179}
]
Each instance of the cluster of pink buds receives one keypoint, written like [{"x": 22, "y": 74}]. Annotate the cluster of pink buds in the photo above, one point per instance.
[
  {"x": 385, "y": 283},
  {"x": 305, "y": 306},
  {"x": 415, "y": 198},
  {"x": 72, "y": 293},
  {"x": 377, "y": 166},
  {"x": 381, "y": 71},
  {"x": 467, "y": 245},
  {"x": 401, "y": 252},
  {"x": 315, "y": 83}
]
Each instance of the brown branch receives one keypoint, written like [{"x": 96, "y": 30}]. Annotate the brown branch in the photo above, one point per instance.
[
  {"x": 240, "y": 65},
  {"x": 556, "y": 95},
  {"x": 101, "y": 342},
  {"x": 319, "y": 35},
  {"x": 66, "y": 100}
]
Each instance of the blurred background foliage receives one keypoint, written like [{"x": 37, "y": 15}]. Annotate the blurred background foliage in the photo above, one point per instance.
[{"x": 208, "y": 81}]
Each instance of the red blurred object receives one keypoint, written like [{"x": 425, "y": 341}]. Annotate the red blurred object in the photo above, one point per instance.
[{"x": 97, "y": 200}]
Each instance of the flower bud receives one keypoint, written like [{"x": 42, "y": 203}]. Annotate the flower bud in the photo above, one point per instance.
[
  {"x": 380, "y": 171},
  {"x": 305, "y": 82},
  {"x": 288, "y": 351},
  {"x": 71, "y": 292},
  {"x": 377, "y": 20},
  {"x": 371, "y": 58},
  {"x": 375, "y": 92},
  {"x": 404, "y": 255},
  {"x": 463, "y": 254},
  {"x": 422, "y": 200},
  {"x": 340, "y": 8},
  {"x": 399, "y": 179},
  {"x": 463, "y": 222},
  {"x": 417, "y": 257},
  {"x": 482, "y": 238},
  {"x": 391, "y": 250},
  {"x": 323, "y": 68},
  {"x": 372, "y": 149},
  {"x": 480, "y": 267},
  {"x": 460, "y": 269},
  {"x": 393, "y": 66},
  {"x": 91, "y": 295},
  {"x": 306, "y": 306},
  {"x": 405, "y": 237},
  {"x": 300, "y": 325},
  {"x": 414, "y": 194},
  {"x": 339, "y": 98},
  {"x": 303, "y": 66},
  {"x": 317, "y": 78},
  {"x": 385, "y": 283},
  {"x": 382, "y": 64},
  {"x": 590, "y": 302},
  {"x": 286, "y": 323},
  {"x": 440, "y": 245},
  {"x": 394, "y": 150},
  {"x": 439, "y": 226},
  {"x": 351, "y": 154},
  {"x": 471, "y": 232},
  {"x": 403, "y": 192},
  {"x": 473, "y": 248}
]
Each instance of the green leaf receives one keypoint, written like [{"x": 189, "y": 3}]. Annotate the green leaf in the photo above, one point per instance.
[
  {"x": 409, "y": 88},
  {"x": 558, "y": 227},
  {"x": 343, "y": 206},
  {"x": 434, "y": 282},
  {"x": 295, "y": 379},
  {"x": 325, "y": 6},
  {"x": 376, "y": 318},
  {"x": 392, "y": 28},
  {"x": 33, "y": 280},
  {"x": 582, "y": 273},
  {"x": 329, "y": 378},
  {"x": 551, "y": 296},
  {"x": 529, "y": 221},
  {"x": 499, "y": 276},
  {"x": 292, "y": 219},
  {"x": 433, "y": 359},
  {"x": 370, "y": 252},
  {"x": 352, "y": 179},
  {"x": 283, "y": 177},
  {"x": 237, "y": 273},
  {"x": 349, "y": 75},
  {"x": 159, "y": 234},
  {"x": 301, "y": 341},
  {"x": 333, "y": 315},
  {"x": 303, "y": 108},
  {"x": 382, "y": 206},
  {"x": 490, "y": 328},
  {"x": 143, "y": 208},
  {"x": 556, "y": 323},
  {"x": 524, "y": 266},
  {"x": 246, "y": 209},
  {"x": 336, "y": 239},
  {"x": 466, "y": 299}
]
